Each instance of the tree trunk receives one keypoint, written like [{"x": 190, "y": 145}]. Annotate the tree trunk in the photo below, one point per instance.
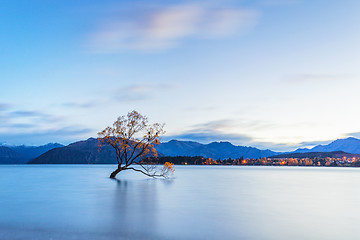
[{"x": 114, "y": 173}]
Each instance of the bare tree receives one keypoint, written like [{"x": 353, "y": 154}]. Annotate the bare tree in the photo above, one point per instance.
[{"x": 133, "y": 138}]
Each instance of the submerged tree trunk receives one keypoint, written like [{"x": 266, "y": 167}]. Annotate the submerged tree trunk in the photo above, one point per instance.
[{"x": 114, "y": 173}]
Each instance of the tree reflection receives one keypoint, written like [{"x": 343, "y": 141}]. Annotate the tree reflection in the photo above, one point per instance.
[{"x": 134, "y": 209}]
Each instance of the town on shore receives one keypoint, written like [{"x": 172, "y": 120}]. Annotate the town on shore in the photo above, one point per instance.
[{"x": 266, "y": 161}]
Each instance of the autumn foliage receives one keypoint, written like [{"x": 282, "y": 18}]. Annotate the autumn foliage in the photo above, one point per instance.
[{"x": 133, "y": 139}]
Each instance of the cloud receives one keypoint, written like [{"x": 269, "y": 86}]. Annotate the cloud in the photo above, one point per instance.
[
  {"x": 201, "y": 108},
  {"x": 22, "y": 126},
  {"x": 29, "y": 114},
  {"x": 79, "y": 105},
  {"x": 211, "y": 136},
  {"x": 212, "y": 131},
  {"x": 4, "y": 106},
  {"x": 279, "y": 2},
  {"x": 235, "y": 138},
  {"x": 353, "y": 134},
  {"x": 221, "y": 130},
  {"x": 12, "y": 120},
  {"x": 321, "y": 78},
  {"x": 309, "y": 144},
  {"x": 228, "y": 130},
  {"x": 139, "y": 92},
  {"x": 38, "y": 126},
  {"x": 62, "y": 135},
  {"x": 163, "y": 27}
]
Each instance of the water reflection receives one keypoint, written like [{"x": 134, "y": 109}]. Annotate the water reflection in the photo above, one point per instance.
[
  {"x": 133, "y": 208},
  {"x": 80, "y": 202}
]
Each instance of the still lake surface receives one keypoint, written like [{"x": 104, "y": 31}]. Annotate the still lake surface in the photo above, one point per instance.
[{"x": 201, "y": 202}]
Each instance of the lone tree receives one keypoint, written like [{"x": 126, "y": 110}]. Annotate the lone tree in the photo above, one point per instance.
[{"x": 133, "y": 139}]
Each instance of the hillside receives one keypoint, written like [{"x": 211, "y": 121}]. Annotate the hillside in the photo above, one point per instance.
[
  {"x": 335, "y": 154},
  {"x": 215, "y": 150},
  {"x": 31, "y": 152},
  {"x": 82, "y": 152},
  {"x": 349, "y": 145},
  {"x": 88, "y": 152},
  {"x": 22, "y": 154},
  {"x": 10, "y": 156}
]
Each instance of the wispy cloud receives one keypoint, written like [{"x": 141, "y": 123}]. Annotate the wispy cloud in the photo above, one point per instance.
[
  {"x": 62, "y": 135},
  {"x": 201, "y": 108},
  {"x": 321, "y": 78},
  {"x": 80, "y": 104},
  {"x": 23, "y": 126},
  {"x": 211, "y": 136},
  {"x": 29, "y": 114},
  {"x": 4, "y": 106},
  {"x": 23, "y": 120},
  {"x": 220, "y": 130},
  {"x": 228, "y": 130},
  {"x": 353, "y": 134},
  {"x": 279, "y": 2},
  {"x": 139, "y": 92},
  {"x": 161, "y": 27},
  {"x": 309, "y": 144}
]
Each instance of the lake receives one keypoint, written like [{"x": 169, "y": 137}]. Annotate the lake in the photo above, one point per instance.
[{"x": 200, "y": 202}]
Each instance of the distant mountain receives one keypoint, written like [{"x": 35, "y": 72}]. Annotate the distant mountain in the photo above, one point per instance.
[
  {"x": 22, "y": 154},
  {"x": 336, "y": 154},
  {"x": 82, "y": 152},
  {"x": 88, "y": 152},
  {"x": 215, "y": 150},
  {"x": 177, "y": 148},
  {"x": 10, "y": 156},
  {"x": 349, "y": 145},
  {"x": 30, "y": 152}
]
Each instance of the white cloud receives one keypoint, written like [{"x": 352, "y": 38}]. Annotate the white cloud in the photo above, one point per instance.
[
  {"x": 279, "y": 2},
  {"x": 323, "y": 78},
  {"x": 165, "y": 27},
  {"x": 139, "y": 92}
]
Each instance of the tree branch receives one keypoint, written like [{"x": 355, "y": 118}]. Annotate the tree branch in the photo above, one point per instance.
[{"x": 147, "y": 174}]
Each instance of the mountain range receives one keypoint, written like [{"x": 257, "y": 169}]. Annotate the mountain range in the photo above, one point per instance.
[
  {"x": 88, "y": 151},
  {"x": 348, "y": 145},
  {"x": 82, "y": 152},
  {"x": 215, "y": 150},
  {"x": 335, "y": 154},
  {"x": 22, "y": 154},
  {"x": 9, "y": 156}
]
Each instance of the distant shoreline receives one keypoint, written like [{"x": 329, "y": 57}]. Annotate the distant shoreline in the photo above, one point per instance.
[{"x": 220, "y": 165}]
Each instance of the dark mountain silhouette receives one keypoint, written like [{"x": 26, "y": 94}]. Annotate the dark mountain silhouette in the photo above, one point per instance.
[
  {"x": 82, "y": 152},
  {"x": 88, "y": 152},
  {"x": 348, "y": 145},
  {"x": 10, "y": 156},
  {"x": 177, "y": 148},
  {"x": 215, "y": 150},
  {"x": 335, "y": 154},
  {"x": 22, "y": 154},
  {"x": 31, "y": 152}
]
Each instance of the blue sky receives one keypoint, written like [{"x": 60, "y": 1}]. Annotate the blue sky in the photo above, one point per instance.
[{"x": 278, "y": 74}]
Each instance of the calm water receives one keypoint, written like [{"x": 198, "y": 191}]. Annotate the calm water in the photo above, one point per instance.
[{"x": 202, "y": 202}]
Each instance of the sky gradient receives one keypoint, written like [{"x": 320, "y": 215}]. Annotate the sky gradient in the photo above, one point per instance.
[{"x": 278, "y": 74}]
